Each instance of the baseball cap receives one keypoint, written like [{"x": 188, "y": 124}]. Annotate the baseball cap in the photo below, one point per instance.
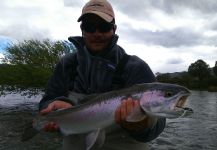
[{"x": 102, "y": 8}]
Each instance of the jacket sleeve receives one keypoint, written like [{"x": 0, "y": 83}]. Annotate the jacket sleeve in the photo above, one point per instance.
[
  {"x": 137, "y": 72},
  {"x": 57, "y": 86},
  {"x": 147, "y": 135}
]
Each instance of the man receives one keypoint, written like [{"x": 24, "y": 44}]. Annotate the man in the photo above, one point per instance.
[{"x": 98, "y": 66}]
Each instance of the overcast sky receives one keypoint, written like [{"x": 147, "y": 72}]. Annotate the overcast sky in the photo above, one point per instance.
[{"x": 168, "y": 34}]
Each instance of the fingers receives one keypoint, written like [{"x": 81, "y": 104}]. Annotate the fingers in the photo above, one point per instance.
[
  {"x": 125, "y": 109},
  {"x": 129, "y": 106},
  {"x": 136, "y": 104},
  {"x": 121, "y": 112},
  {"x": 54, "y": 106},
  {"x": 118, "y": 115},
  {"x": 51, "y": 126},
  {"x": 51, "y": 107}
]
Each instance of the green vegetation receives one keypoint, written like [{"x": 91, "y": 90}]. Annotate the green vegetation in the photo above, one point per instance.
[
  {"x": 29, "y": 64},
  {"x": 198, "y": 77},
  {"x": 215, "y": 69}
]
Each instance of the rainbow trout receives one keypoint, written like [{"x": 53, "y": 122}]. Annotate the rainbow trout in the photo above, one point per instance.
[{"x": 156, "y": 99}]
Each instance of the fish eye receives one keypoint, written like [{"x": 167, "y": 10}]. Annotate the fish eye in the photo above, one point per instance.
[{"x": 168, "y": 94}]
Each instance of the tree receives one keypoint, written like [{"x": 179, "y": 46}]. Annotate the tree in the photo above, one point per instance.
[
  {"x": 43, "y": 54},
  {"x": 30, "y": 63},
  {"x": 199, "y": 69},
  {"x": 215, "y": 69}
]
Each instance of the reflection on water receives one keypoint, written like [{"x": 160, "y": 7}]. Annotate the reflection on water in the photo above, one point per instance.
[{"x": 196, "y": 132}]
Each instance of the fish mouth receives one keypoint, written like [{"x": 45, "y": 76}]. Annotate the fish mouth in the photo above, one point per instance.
[
  {"x": 181, "y": 101},
  {"x": 178, "y": 109},
  {"x": 180, "y": 104}
]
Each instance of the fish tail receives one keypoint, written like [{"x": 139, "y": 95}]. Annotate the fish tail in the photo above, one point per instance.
[{"x": 28, "y": 132}]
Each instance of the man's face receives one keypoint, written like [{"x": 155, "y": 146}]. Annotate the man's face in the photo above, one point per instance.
[{"x": 96, "y": 32}]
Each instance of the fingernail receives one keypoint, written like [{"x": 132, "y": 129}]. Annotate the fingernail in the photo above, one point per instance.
[
  {"x": 123, "y": 101},
  {"x": 129, "y": 98},
  {"x": 137, "y": 101}
]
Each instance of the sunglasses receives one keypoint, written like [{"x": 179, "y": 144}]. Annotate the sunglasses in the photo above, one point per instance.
[{"x": 102, "y": 27}]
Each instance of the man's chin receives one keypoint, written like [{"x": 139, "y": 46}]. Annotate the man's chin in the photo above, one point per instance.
[{"x": 97, "y": 48}]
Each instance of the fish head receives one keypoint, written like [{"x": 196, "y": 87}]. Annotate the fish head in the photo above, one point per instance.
[{"x": 165, "y": 100}]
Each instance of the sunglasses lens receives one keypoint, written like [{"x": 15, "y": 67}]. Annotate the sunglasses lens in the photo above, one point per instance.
[
  {"x": 88, "y": 27},
  {"x": 91, "y": 28},
  {"x": 105, "y": 27}
]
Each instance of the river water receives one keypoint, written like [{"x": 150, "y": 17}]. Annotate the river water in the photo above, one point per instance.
[{"x": 196, "y": 132}]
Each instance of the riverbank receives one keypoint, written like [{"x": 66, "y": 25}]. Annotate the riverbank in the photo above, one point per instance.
[{"x": 212, "y": 89}]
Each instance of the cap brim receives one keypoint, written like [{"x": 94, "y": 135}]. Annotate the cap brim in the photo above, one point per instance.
[{"x": 104, "y": 16}]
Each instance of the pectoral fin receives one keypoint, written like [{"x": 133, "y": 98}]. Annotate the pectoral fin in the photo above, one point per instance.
[
  {"x": 136, "y": 115},
  {"x": 95, "y": 139}
]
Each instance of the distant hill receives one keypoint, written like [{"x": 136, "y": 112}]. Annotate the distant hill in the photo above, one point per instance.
[
  {"x": 174, "y": 74},
  {"x": 180, "y": 74}
]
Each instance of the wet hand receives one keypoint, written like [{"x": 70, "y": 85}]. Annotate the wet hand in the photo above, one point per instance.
[
  {"x": 127, "y": 106},
  {"x": 51, "y": 126}
]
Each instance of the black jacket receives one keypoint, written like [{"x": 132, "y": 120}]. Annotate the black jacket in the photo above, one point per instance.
[{"x": 87, "y": 73}]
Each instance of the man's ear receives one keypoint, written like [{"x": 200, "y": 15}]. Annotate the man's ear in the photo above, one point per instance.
[
  {"x": 81, "y": 26},
  {"x": 81, "y": 29},
  {"x": 114, "y": 28}
]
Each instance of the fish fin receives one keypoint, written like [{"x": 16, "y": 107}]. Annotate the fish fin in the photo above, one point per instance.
[
  {"x": 136, "y": 115},
  {"x": 95, "y": 139},
  {"x": 28, "y": 132},
  {"x": 99, "y": 140},
  {"x": 78, "y": 98},
  {"x": 88, "y": 98},
  {"x": 74, "y": 141}
]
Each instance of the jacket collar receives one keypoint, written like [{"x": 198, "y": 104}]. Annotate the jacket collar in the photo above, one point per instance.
[
  {"x": 78, "y": 42},
  {"x": 113, "y": 52}
]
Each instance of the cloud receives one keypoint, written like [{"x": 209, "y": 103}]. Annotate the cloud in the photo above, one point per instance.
[
  {"x": 168, "y": 34},
  {"x": 23, "y": 31},
  {"x": 175, "y": 61},
  {"x": 212, "y": 25},
  {"x": 19, "y": 19},
  {"x": 139, "y": 8},
  {"x": 74, "y": 3},
  {"x": 36, "y": 19},
  {"x": 167, "y": 38},
  {"x": 204, "y": 6},
  {"x": 167, "y": 23}
]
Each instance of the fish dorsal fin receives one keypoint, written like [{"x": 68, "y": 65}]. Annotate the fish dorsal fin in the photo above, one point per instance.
[
  {"x": 136, "y": 115},
  {"x": 95, "y": 139},
  {"x": 78, "y": 98},
  {"x": 89, "y": 97}
]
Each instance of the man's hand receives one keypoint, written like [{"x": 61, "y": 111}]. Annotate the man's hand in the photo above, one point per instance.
[
  {"x": 125, "y": 109},
  {"x": 51, "y": 126}
]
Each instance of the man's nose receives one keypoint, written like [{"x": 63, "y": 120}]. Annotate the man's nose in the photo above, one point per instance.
[{"x": 97, "y": 32}]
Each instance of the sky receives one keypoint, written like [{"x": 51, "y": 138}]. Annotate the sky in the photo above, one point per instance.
[{"x": 168, "y": 35}]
